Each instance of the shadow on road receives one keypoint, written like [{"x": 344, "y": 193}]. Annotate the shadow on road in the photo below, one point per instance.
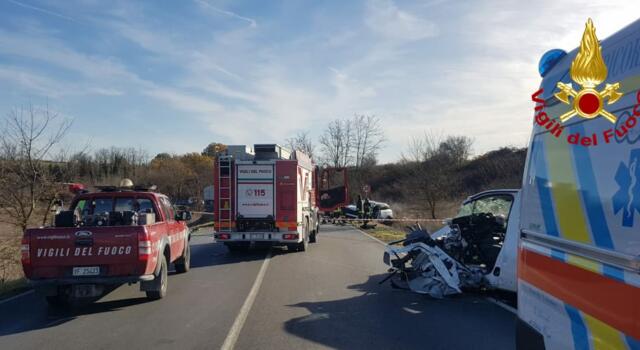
[
  {"x": 215, "y": 253},
  {"x": 34, "y": 313},
  {"x": 393, "y": 319},
  {"x": 31, "y": 312}
]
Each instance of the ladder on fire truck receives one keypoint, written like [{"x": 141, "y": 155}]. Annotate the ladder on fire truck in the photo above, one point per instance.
[{"x": 224, "y": 193}]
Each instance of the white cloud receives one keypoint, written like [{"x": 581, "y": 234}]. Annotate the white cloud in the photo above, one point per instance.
[
  {"x": 386, "y": 19},
  {"x": 41, "y": 10},
  {"x": 251, "y": 21},
  {"x": 474, "y": 75},
  {"x": 50, "y": 50},
  {"x": 45, "y": 86}
]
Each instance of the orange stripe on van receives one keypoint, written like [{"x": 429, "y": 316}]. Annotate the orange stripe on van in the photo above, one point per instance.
[{"x": 608, "y": 300}]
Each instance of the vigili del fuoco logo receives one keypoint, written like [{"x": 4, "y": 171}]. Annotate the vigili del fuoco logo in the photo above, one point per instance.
[{"x": 589, "y": 71}]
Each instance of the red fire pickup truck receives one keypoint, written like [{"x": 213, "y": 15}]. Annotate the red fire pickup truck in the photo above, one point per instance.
[{"x": 105, "y": 239}]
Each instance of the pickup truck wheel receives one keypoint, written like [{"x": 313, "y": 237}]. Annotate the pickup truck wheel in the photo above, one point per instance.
[
  {"x": 184, "y": 263},
  {"x": 162, "y": 277}
]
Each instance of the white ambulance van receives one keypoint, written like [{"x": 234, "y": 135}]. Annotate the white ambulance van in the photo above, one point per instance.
[{"x": 579, "y": 248}]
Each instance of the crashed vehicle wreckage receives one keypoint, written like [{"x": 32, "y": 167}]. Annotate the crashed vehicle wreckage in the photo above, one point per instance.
[{"x": 476, "y": 250}]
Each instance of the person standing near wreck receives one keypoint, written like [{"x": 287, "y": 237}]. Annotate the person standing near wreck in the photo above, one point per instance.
[
  {"x": 367, "y": 208},
  {"x": 359, "y": 207}
]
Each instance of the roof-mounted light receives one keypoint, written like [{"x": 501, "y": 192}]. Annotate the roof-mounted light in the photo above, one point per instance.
[{"x": 549, "y": 60}]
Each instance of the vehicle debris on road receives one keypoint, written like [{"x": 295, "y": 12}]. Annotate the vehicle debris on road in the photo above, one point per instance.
[
  {"x": 422, "y": 265},
  {"x": 476, "y": 250}
]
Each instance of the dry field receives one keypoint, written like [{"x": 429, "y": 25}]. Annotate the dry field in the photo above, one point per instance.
[{"x": 11, "y": 276}]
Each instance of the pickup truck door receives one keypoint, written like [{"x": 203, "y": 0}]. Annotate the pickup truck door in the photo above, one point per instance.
[{"x": 175, "y": 229}]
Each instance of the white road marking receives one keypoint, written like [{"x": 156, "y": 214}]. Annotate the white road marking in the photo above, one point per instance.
[
  {"x": 502, "y": 305},
  {"x": 370, "y": 236},
  {"x": 16, "y": 296},
  {"x": 234, "y": 332}
]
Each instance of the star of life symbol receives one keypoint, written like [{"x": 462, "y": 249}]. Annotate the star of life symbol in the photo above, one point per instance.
[
  {"x": 627, "y": 199},
  {"x": 589, "y": 71}
]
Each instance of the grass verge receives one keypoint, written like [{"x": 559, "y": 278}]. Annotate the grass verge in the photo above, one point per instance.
[
  {"x": 383, "y": 232},
  {"x": 12, "y": 287}
]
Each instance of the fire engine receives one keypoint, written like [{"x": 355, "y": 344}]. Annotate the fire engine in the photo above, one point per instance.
[{"x": 265, "y": 195}]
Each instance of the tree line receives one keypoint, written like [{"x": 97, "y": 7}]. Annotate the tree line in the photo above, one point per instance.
[{"x": 433, "y": 169}]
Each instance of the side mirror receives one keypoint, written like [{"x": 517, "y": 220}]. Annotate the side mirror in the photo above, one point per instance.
[{"x": 183, "y": 216}]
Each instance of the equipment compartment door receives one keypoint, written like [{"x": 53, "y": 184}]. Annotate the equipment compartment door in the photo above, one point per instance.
[{"x": 255, "y": 190}]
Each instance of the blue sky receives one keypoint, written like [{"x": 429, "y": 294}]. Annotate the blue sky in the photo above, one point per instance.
[{"x": 172, "y": 76}]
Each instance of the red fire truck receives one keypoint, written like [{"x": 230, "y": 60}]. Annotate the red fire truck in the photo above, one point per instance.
[{"x": 265, "y": 195}]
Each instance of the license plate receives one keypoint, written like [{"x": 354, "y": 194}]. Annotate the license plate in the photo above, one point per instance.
[
  {"x": 257, "y": 236},
  {"x": 86, "y": 271}
]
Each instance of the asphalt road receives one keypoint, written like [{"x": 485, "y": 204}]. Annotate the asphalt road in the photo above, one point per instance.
[{"x": 327, "y": 297}]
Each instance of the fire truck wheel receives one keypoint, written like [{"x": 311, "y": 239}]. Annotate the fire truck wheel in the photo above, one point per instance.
[
  {"x": 184, "y": 262},
  {"x": 302, "y": 246},
  {"x": 161, "y": 290}
]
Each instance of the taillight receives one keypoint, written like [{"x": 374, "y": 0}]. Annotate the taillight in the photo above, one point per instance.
[
  {"x": 290, "y": 236},
  {"x": 25, "y": 250},
  {"x": 223, "y": 236},
  {"x": 144, "y": 246}
]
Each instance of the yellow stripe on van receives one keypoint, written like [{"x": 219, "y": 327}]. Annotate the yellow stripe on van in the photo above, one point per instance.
[
  {"x": 602, "y": 335},
  {"x": 571, "y": 218},
  {"x": 583, "y": 263}
]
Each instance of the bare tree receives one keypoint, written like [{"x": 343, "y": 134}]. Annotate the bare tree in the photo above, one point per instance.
[
  {"x": 422, "y": 148},
  {"x": 431, "y": 163},
  {"x": 302, "y": 142},
  {"x": 336, "y": 143},
  {"x": 27, "y": 139},
  {"x": 456, "y": 148},
  {"x": 368, "y": 139}
]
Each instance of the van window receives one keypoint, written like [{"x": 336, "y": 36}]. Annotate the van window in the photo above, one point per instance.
[{"x": 465, "y": 210}]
